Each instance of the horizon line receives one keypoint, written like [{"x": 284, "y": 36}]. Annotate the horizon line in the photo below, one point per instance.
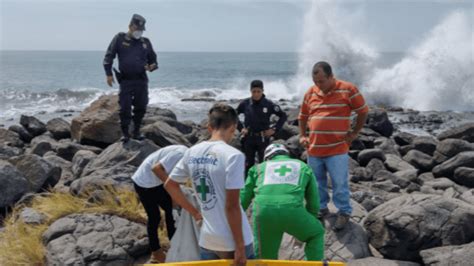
[{"x": 177, "y": 51}]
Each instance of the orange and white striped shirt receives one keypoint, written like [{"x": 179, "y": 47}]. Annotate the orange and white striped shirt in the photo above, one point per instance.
[{"x": 328, "y": 117}]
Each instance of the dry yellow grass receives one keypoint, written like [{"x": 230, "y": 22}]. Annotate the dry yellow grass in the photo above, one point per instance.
[{"x": 21, "y": 243}]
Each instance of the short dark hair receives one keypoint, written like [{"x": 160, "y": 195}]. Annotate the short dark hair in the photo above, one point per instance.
[
  {"x": 256, "y": 84},
  {"x": 222, "y": 116},
  {"x": 325, "y": 66}
]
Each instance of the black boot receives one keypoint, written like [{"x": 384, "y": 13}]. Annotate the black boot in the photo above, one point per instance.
[
  {"x": 137, "y": 135},
  {"x": 136, "y": 130},
  {"x": 125, "y": 134}
]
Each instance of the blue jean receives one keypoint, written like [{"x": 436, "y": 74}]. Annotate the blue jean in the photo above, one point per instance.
[
  {"x": 207, "y": 254},
  {"x": 338, "y": 168}
]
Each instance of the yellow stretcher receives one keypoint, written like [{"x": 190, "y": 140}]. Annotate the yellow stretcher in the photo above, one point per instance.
[{"x": 253, "y": 263}]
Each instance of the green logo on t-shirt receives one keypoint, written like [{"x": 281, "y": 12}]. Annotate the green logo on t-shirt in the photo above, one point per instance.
[{"x": 203, "y": 189}]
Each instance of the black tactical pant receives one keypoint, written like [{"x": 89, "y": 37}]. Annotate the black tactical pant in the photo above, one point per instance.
[
  {"x": 251, "y": 145},
  {"x": 151, "y": 198},
  {"x": 132, "y": 93}
]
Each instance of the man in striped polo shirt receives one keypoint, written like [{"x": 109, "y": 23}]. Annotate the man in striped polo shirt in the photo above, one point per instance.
[{"x": 326, "y": 111}]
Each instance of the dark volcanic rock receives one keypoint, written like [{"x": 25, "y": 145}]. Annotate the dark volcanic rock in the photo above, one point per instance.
[
  {"x": 10, "y": 138},
  {"x": 163, "y": 134},
  {"x": 22, "y": 132},
  {"x": 379, "y": 122},
  {"x": 401, "y": 227},
  {"x": 395, "y": 163},
  {"x": 34, "y": 126},
  {"x": 403, "y": 138},
  {"x": 366, "y": 155},
  {"x": 374, "y": 166},
  {"x": 449, "y": 148},
  {"x": 39, "y": 172},
  {"x": 420, "y": 160},
  {"x": 14, "y": 184},
  {"x": 425, "y": 144},
  {"x": 383, "y": 175},
  {"x": 447, "y": 168},
  {"x": 464, "y": 176},
  {"x": 465, "y": 132},
  {"x": 59, "y": 127}
]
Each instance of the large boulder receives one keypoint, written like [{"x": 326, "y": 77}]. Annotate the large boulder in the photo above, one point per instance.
[
  {"x": 66, "y": 172},
  {"x": 14, "y": 184},
  {"x": 117, "y": 176},
  {"x": 99, "y": 123},
  {"x": 383, "y": 175},
  {"x": 449, "y": 255},
  {"x": 378, "y": 121},
  {"x": 374, "y": 166},
  {"x": 465, "y": 132},
  {"x": 443, "y": 186},
  {"x": 40, "y": 173},
  {"x": 133, "y": 152},
  {"x": 60, "y": 128},
  {"x": 447, "y": 168},
  {"x": 347, "y": 244},
  {"x": 67, "y": 149},
  {"x": 420, "y": 160},
  {"x": 154, "y": 114},
  {"x": 403, "y": 138},
  {"x": 42, "y": 144},
  {"x": 448, "y": 148},
  {"x": 10, "y": 138},
  {"x": 22, "y": 132},
  {"x": 94, "y": 239},
  {"x": 163, "y": 134},
  {"x": 402, "y": 227},
  {"x": 80, "y": 160},
  {"x": 34, "y": 126},
  {"x": 388, "y": 146},
  {"x": 9, "y": 151},
  {"x": 365, "y": 156},
  {"x": 395, "y": 163},
  {"x": 425, "y": 144},
  {"x": 464, "y": 176}
]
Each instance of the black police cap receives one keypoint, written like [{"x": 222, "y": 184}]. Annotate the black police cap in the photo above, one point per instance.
[{"x": 138, "y": 21}]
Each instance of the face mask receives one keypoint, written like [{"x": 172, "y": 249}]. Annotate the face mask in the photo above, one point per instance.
[{"x": 137, "y": 34}]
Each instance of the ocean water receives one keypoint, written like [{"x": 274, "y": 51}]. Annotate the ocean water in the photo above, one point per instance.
[{"x": 39, "y": 82}]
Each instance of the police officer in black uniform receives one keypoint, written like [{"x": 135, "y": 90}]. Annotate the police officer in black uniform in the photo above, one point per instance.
[
  {"x": 257, "y": 128},
  {"x": 135, "y": 57}
]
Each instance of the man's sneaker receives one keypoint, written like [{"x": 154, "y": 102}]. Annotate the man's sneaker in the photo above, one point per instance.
[
  {"x": 341, "y": 221},
  {"x": 323, "y": 213},
  {"x": 158, "y": 256}
]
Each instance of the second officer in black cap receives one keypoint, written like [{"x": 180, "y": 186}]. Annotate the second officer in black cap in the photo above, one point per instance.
[
  {"x": 257, "y": 128},
  {"x": 135, "y": 57}
]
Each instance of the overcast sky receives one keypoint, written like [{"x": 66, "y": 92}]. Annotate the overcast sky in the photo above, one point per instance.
[{"x": 205, "y": 25}]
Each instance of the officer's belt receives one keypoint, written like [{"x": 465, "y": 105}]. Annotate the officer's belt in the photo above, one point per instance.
[
  {"x": 134, "y": 76},
  {"x": 255, "y": 133}
]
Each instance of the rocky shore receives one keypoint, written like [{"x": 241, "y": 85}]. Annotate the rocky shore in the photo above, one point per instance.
[{"x": 413, "y": 195}]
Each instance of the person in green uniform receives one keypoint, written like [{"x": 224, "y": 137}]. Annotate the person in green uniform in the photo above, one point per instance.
[{"x": 280, "y": 186}]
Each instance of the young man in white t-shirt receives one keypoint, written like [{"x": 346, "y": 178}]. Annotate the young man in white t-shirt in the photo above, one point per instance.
[
  {"x": 217, "y": 173},
  {"x": 148, "y": 182}
]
